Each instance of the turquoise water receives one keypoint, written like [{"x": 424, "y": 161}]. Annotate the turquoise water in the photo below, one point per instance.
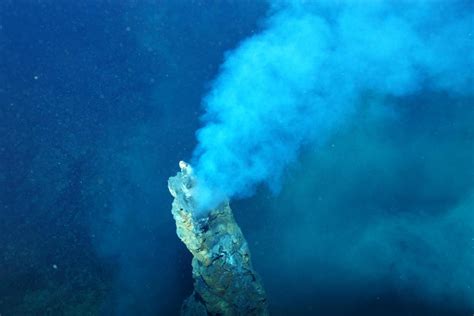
[{"x": 362, "y": 207}]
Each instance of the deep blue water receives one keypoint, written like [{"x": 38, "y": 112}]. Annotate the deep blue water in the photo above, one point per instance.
[{"x": 99, "y": 100}]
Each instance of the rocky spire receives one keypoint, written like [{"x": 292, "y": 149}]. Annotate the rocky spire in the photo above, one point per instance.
[{"x": 224, "y": 280}]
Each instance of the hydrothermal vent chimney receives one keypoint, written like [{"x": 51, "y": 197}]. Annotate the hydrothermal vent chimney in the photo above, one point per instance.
[{"x": 224, "y": 280}]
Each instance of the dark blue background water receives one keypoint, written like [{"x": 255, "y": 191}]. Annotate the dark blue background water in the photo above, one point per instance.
[{"x": 98, "y": 102}]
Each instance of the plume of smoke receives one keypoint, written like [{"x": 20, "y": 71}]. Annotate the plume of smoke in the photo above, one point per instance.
[{"x": 300, "y": 78}]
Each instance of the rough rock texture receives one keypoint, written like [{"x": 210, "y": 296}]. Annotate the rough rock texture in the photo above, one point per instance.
[{"x": 224, "y": 280}]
